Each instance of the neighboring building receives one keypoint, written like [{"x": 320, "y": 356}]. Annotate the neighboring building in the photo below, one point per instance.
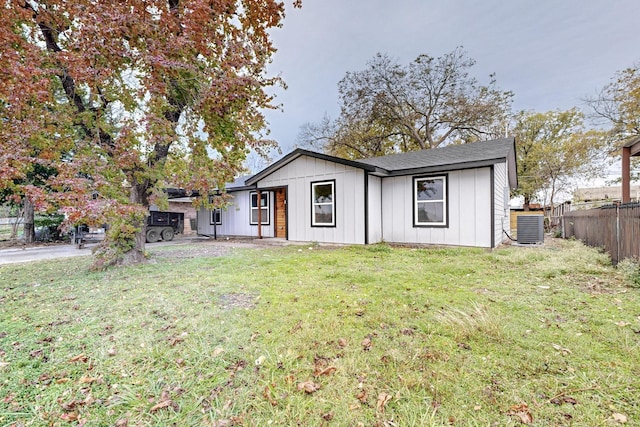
[
  {"x": 455, "y": 195},
  {"x": 587, "y": 198}
]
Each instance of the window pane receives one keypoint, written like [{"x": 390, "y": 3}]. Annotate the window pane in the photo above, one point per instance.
[
  {"x": 254, "y": 200},
  {"x": 216, "y": 216},
  {"x": 323, "y": 214},
  {"x": 254, "y": 216},
  {"x": 431, "y": 212},
  {"x": 263, "y": 199},
  {"x": 430, "y": 189},
  {"x": 265, "y": 215},
  {"x": 323, "y": 193}
]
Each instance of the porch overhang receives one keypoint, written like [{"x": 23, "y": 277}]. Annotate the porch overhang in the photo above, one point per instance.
[{"x": 630, "y": 149}]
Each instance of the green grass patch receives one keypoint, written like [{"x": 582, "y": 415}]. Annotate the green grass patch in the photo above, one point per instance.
[{"x": 367, "y": 335}]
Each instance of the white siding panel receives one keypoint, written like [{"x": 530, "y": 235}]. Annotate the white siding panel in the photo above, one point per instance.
[
  {"x": 236, "y": 218},
  {"x": 469, "y": 196},
  {"x": 375, "y": 209},
  {"x": 298, "y": 175},
  {"x": 501, "y": 202}
]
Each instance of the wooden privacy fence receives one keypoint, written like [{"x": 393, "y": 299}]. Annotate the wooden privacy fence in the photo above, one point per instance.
[{"x": 615, "y": 228}]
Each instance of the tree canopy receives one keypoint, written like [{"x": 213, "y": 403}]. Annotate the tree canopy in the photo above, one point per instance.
[
  {"x": 124, "y": 98},
  {"x": 551, "y": 149},
  {"x": 619, "y": 104},
  {"x": 389, "y": 107}
]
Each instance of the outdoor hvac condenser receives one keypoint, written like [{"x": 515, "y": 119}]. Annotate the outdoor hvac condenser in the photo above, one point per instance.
[{"x": 530, "y": 229}]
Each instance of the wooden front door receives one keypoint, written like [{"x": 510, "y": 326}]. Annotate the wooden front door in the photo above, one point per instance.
[{"x": 281, "y": 213}]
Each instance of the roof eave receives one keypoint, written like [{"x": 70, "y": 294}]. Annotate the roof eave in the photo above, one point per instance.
[
  {"x": 299, "y": 152},
  {"x": 447, "y": 168}
]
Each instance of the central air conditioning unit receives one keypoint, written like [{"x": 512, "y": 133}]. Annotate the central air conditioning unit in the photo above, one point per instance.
[{"x": 530, "y": 229}]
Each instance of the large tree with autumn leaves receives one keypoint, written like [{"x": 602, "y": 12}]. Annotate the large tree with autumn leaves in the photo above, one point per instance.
[{"x": 123, "y": 98}]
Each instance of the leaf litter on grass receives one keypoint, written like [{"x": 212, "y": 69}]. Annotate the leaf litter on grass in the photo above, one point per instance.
[{"x": 418, "y": 368}]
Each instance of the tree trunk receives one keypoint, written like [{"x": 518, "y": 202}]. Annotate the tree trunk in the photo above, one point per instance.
[
  {"x": 29, "y": 227},
  {"x": 525, "y": 205},
  {"x": 138, "y": 196}
]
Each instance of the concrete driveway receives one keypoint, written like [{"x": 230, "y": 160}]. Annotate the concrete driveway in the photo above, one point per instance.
[{"x": 39, "y": 253}]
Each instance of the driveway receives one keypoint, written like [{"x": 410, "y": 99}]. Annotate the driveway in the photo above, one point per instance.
[
  {"x": 205, "y": 245},
  {"x": 44, "y": 252}
]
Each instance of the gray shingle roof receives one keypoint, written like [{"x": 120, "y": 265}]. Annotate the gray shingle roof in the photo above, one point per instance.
[{"x": 445, "y": 156}]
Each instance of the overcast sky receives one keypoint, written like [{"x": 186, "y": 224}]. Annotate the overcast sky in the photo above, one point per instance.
[{"x": 550, "y": 53}]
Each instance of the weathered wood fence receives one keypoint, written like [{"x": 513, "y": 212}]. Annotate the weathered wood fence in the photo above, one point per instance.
[{"x": 615, "y": 228}]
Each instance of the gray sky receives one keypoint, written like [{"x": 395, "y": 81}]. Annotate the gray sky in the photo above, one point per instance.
[{"x": 550, "y": 53}]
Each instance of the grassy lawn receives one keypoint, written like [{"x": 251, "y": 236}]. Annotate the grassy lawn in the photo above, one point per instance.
[{"x": 353, "y": 336}]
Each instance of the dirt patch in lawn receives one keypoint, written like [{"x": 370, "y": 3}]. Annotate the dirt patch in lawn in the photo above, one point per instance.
[{"x": 236, "y": 300}]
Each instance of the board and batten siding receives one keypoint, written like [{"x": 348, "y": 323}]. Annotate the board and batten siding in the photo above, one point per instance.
[
  {"x": 374, "y": 211},
  {"x": 501, "y": 202},
  {"x": 469, "y": 210},
  {"x": 236, "y": 218},
  {"x": 297, "y": 177}
]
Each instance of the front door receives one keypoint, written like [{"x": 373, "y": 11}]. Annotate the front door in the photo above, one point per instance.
[{"x": 281, "y": 213}]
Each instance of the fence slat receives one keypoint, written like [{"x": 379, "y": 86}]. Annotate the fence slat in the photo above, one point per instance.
[{"x": 615, "y": 229}]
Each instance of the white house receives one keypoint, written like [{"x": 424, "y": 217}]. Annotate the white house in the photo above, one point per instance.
[{"x": 454, "y": 195}]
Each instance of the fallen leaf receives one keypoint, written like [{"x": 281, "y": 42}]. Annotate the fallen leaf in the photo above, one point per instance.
[
  {"x": 383, "y": 399},
  {"x": 327, "y": 371},
  {"x": 296, "y": 327},
  {"x": 122, "y": 422},
  {"x": 342, "y": 342},
  {"x": 36, "y": 353},
  {"x": 521, "y": 411},
  {"x": 79, "y": 358},
  {"x": 308, "y": 387},
  {"x": 165, "y": 402},
  {"x": 328, "y": 416},
  {"x": 88, "y": 380},
  {"x": 69, "y": 417},
  {"x": 366, "y": 344},
  {"x": 362, "y": 396},
  {"x": 267, "y": 395},
  {"x": 619, "y": 418},
  {"x": 563, "y": 399},
  {"x": 563, "y": 350},
  {"x": 622, "y": 323}
]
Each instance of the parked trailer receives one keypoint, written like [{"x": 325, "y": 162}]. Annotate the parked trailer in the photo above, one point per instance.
[
  {"x": 82, "y": 234},
  {"x": 164, "y": 225},
  {"x": 160, "y": 225}
]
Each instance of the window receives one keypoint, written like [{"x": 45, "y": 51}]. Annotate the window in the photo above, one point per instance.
[
  {"x": 323, "y": 205},
  {"x": 430, "y": 201},
  {"x": 216, "y": 216},
  {"x": 264, "y": 208}
]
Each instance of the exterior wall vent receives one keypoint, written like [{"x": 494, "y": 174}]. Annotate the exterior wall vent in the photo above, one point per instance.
[{"x": 530, "y": 229}]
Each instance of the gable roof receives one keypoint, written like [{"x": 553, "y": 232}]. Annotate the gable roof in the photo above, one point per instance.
[
  {"x": 299, "y": 152},
  {"x": 448, "y": 158}
]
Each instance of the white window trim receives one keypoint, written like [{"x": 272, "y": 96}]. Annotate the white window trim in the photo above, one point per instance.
[
  {"x": 265, "y": 207},
  {"x": 213, "y": 213},
  {"x": 444, "y": 202},
  {"x": 332, "y": 204}
]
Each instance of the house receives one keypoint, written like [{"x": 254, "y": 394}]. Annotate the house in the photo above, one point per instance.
[
  {"x": 588, "y": 198},
  {"x": 454, "y": 195}
]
